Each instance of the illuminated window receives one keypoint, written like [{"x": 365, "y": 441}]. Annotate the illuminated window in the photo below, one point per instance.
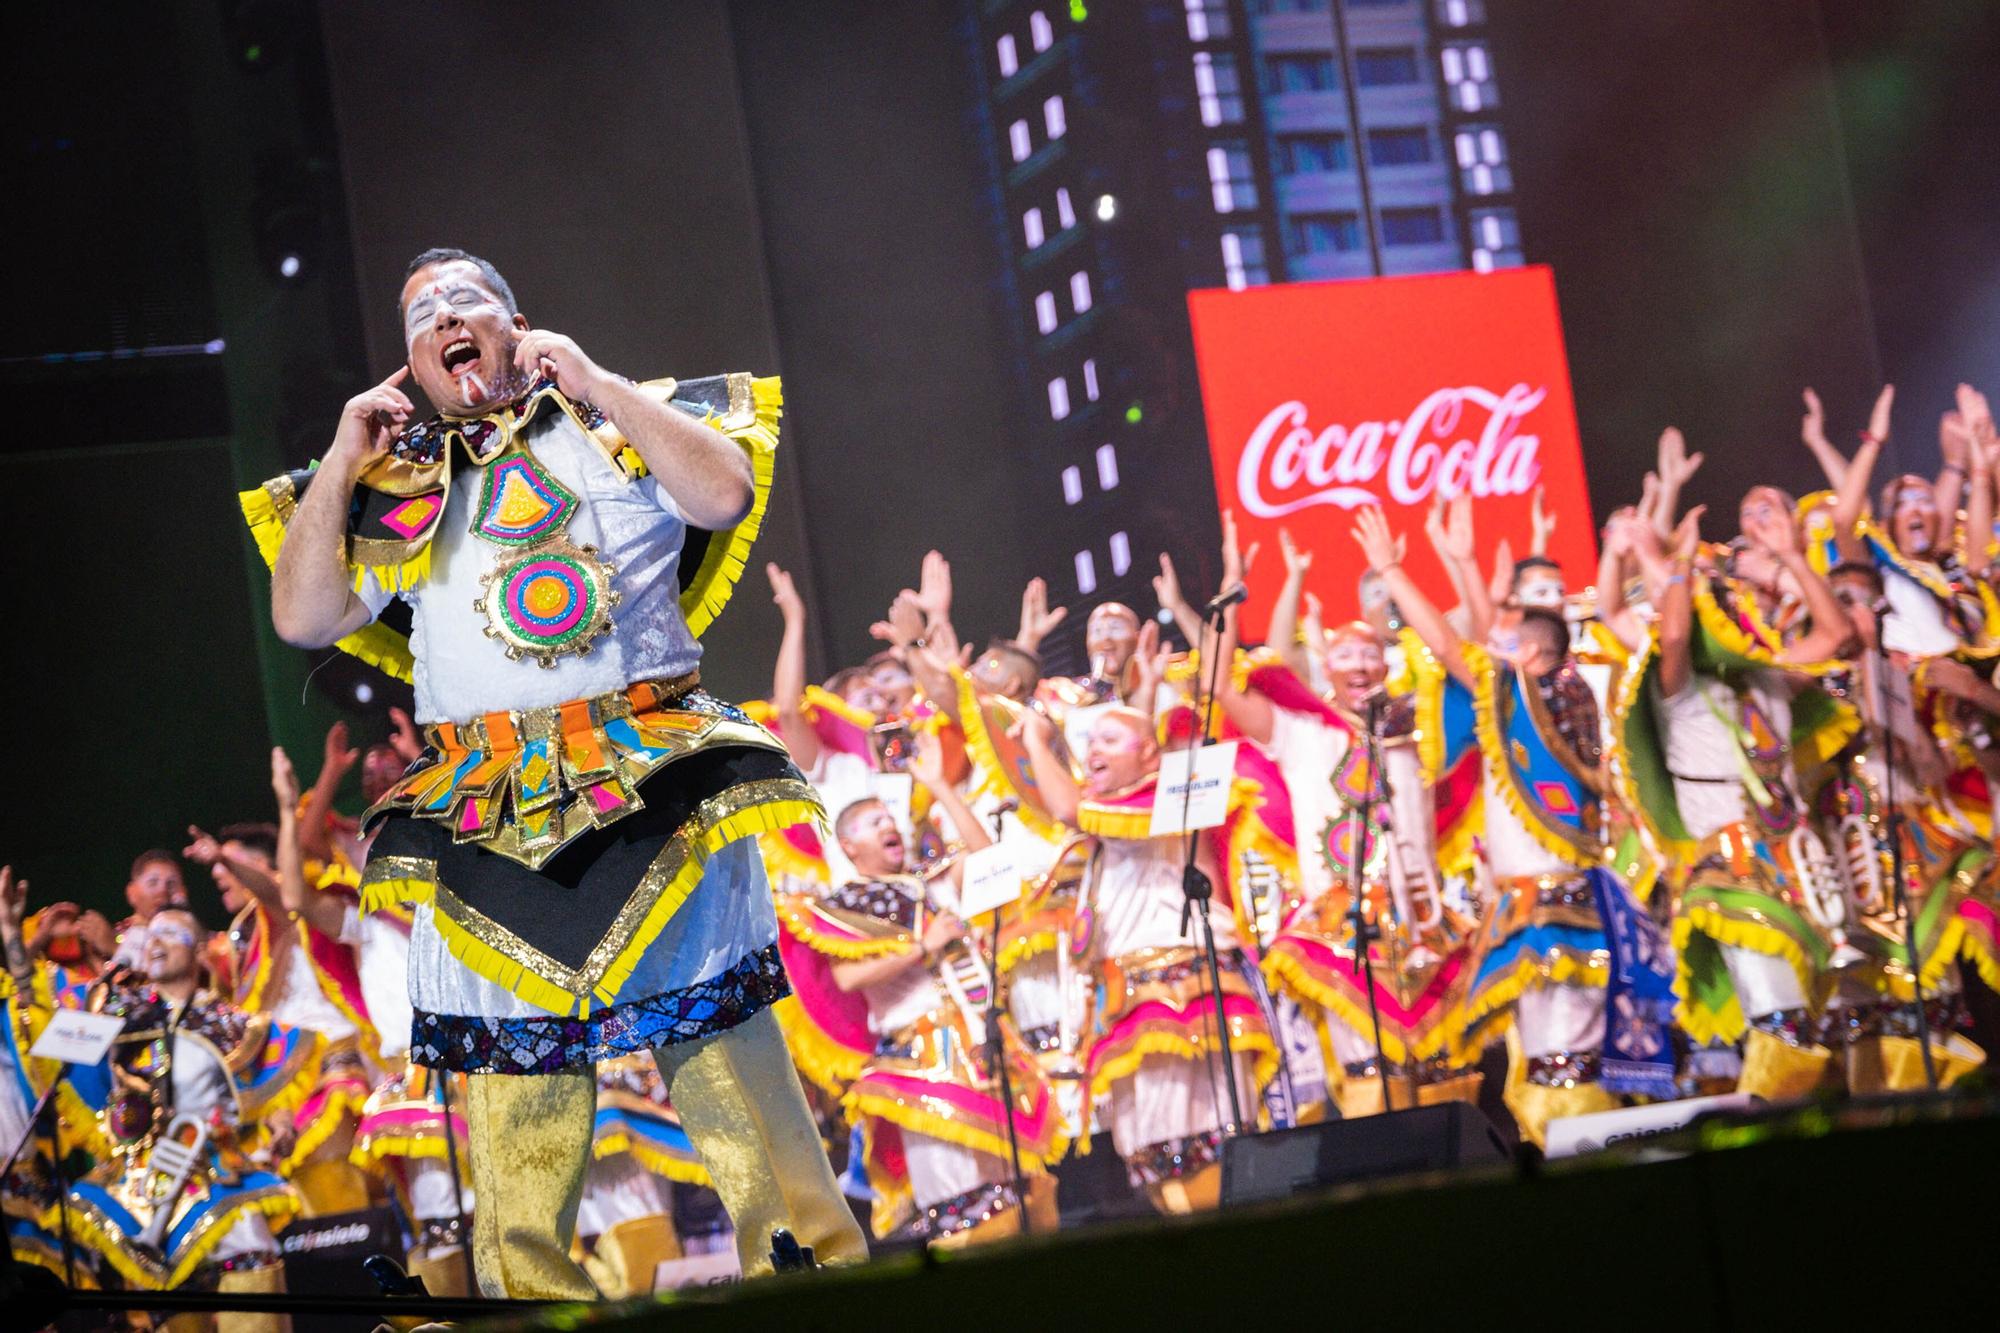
[
  {"x": 1090, "y": 380},
  {"x": 1107, "y": 467},
  {"x": 1462, "y": 13},
  {"x": 1496, "y": 239},
  {"x": 1040, "y": 34},
  {"x": 1299, "y": 72},
  {"x": 1243, "y": 262},
  {"x": 1009, "y": 59},
  {"x": 1313, "y": 152},
  {"x": 1290, "y": 6},
  {"x": 1065, "y": 211},
  {"x": 1218, "y": 91},
  {"x": 1412, "y": 226},
  {"x": 1323, "y": 233},
  {"x": 1031, "y": 227},
  {"x": 1229, "y": 179},
  {"x": 1086, "y": 572},
  {"x": 1482, "y": 160},
  {"x": 1045, "y": 312},
  {"x": 1079, "y": 291},
  {"x": 1019, "y": 140},
  {"x": 1207, "y": 20},
  {"x": 1052, "y": 116},
  {"x": 1469, "y": 72},
  {"x": 1058, "y": 398},
  {"x": 1399, "y": 148},
  {"x": 1072, "y": 478},
  {"x": 1385, "y": 67},
  {"x": 1121, "y": 554}
]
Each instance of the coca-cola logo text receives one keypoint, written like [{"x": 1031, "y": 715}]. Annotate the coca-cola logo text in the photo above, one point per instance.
[{"x": 1457, "y": 440}]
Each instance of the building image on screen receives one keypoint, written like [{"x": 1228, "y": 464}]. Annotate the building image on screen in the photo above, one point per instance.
[{"x": 1142, "y": 149}]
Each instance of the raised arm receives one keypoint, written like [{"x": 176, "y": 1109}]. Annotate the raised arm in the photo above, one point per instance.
[
  {"x": 1060, "y": 794},
  {"x": 1778, "y": 532},
  {"x": 1675, "y": 467},
  {"x": 1440, "y": 540},
  {"x": 13, "y": 938},
  {"x": 337, "y": 759},
  {"x": 1461, "y": 546},
  {"x": 927, "y": 767},
  {"x": 1283, "y": 636},
  {"x": 1248, "y": 711},
  {"x": 1037, "y": 620},
  {"x": 1851, "y": 495},
  {"x": 1384, "y": 552},
  {"x": 322, "y": 911},
  {"x": 1976, "y": 535},
  {"x": 788, "y": 675},
  {"x": 1669, "y": 576},
  {"x": 1167, "y": 589},
  {"x": 707, "y": 474},
  {"x": 313, "y": 602}
]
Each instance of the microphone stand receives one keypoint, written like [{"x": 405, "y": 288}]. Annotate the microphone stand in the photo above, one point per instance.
[
  {"x": 1364, "y": 931},
  {"x": 996, "y": 1051},
  {"x": 1884, "y": 701},
  {"x": 1195, "y": 886}
]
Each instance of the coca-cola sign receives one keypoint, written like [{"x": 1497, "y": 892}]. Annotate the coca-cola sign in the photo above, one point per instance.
[{"x": 1325, "y": 397}]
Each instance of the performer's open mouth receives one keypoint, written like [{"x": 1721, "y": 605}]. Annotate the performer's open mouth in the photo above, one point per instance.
[{"x": 461, "y": 358}]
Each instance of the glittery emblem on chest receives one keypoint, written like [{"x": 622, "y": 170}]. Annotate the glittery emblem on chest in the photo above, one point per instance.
[
  {"x": 520, "y": 503},
  {"x": 552, "y": 597}
]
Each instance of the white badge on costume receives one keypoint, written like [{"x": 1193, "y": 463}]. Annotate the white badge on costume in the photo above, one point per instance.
[
  {"x": 1208, "y": 805},
  {"x": 993, "y": 878},
  {"x": 77, "y": 1037}
]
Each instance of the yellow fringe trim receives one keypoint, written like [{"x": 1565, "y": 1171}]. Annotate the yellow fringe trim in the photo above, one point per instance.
[
  {"x": 1287, "y": 973},
  {"x": 1563, "y": 969},
  {"x": 658, "y": 1162},
  {"x": 830, "y": 1065},
  {"x": 1493, "y": 751},
  {"x": 513, "y": 976},
  {"x": 1126, "y": 1063},
  {"x": 1975, "y": 947},
  {"x": 279, "y": 1207},
  {"x": 1426, "y": 689},
  {"x": 989, "y": 772},
  {"x": 905, "y": 1116},
  {"x": 1702, "y": 1024},
  {"x": 1625, "y": 697},
  {"x": 371, "y": 1152},
  {"x": 375, "y": 644},
  {"x": 1937, "y": 962},
  {"x": 293, "y": 1092},
  {"x": 1110, "y": 821},
  {"x": 1023, "y": 947},
  {"x": 797, "y": 918},
  {"x": 708, "y": 592},
  {"x": 828, "y": 702},
  {"x": 340, "y": 1104},
  {"x": 1722, "y": 627}
]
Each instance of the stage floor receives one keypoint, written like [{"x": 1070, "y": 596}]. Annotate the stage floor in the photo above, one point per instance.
[{"x": 1823, "y": 1217}]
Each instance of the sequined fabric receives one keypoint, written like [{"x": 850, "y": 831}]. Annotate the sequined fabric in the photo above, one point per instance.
[
  {"x": 542, "y": 1045},
  {"x": 1173, "y": 1159},
  {"x": 963, "y": 1212}
]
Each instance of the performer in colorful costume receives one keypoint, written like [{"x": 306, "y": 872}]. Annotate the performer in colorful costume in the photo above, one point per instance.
[
  {"x": 1418, "y": 961},
  {"x": 202, "y": 1099},
  {"x": 1155, "y": 1048},
  {"x": 576, "y": 842},
  {"x": 1544, "y": 957},
  {"x": 935, "y": 1128}
]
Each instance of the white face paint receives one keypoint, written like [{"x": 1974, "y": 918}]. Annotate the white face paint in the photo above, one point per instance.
[
  {"x": 1544, "y": 590},
  {"x": 1353, "y": 654}
]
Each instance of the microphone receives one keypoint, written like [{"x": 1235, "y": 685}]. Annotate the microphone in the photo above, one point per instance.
[{"x": 1228, "y": 597}]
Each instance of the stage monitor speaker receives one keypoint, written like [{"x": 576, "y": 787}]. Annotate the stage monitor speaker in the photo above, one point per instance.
[{"x": 1260, "y": 1167}]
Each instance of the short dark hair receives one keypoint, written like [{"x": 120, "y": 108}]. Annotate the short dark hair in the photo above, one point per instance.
[
  {"x": 1528, "y": 562},
  {"x": 1549, "y": 627},
  {"x": 154, "y": 856},
  {"x": 258, "y": 837},
  {"x": 1022, "y": 655},
  {"x": 852, "y": 811},
  {"x": 444, "y": 254}
]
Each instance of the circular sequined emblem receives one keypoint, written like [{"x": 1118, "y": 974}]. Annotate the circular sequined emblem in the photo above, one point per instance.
[{"x": 552, "y": 600}]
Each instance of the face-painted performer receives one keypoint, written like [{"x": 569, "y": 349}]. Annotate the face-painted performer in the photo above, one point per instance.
[{"x": 576, "y": 842}]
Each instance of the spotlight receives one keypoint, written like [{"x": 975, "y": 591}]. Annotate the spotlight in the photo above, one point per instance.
[
  {"x": 288, "y": 267},
  {"x": 364, "y": 693},
  {"x": 1107, "y": 208}
]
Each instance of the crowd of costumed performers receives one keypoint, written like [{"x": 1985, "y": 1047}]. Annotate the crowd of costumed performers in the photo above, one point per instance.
[{"x": 1720, "y": 822}]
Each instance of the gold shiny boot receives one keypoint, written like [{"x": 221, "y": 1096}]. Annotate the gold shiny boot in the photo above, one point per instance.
[
  {"x": 1196, "y": 1192},
  {"x": 1903, "y": 1061},
  {"x": 443, "y": 1271},
  {"x": 330, "y": 1185},
  {"x": 630, "y": 1254},
  {"x": 1778, "y": 1071},
  {"x": 528, "y": 1143},
  {"x": 265, "y": 1281},
  {"x": 739, "y": 1100},
  {"x": 1460, "y": 1087}
]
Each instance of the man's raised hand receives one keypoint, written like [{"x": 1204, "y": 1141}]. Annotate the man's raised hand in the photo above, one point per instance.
[
  {"x": 370, "y": 423},
  {"x": 1381, "y": 548},
  {"x": 545, "y": 352}
]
